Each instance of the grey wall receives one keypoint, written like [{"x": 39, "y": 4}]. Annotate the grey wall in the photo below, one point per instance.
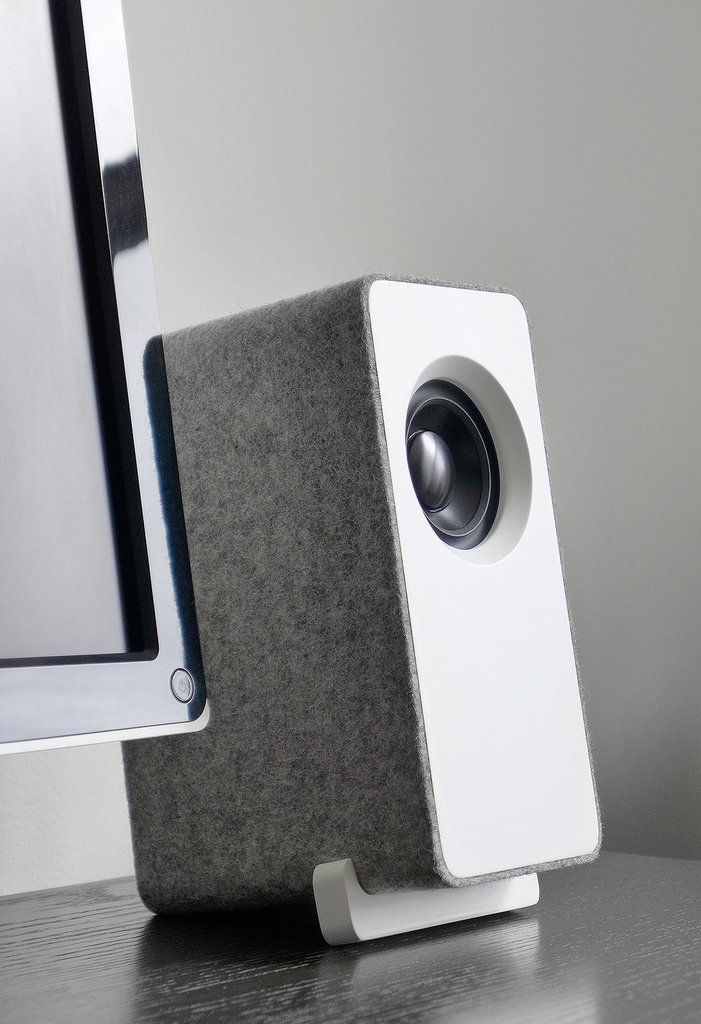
[{"x": 552, "y": 148}]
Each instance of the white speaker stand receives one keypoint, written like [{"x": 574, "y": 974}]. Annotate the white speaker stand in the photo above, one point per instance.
[{"x": 349, "y": 914}]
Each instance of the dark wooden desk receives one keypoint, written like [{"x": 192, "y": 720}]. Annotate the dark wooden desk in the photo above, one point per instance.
[{"x": 617, "y": 941}]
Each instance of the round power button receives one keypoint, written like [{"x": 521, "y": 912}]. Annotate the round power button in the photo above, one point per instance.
[{"x": 182, "y": 685}]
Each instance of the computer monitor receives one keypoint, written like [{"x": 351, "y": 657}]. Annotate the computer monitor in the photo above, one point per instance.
[{"x": 98, "y": 635}]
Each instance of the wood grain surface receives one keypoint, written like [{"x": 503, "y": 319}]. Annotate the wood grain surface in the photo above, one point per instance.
[{"x": 616, "y": 941}]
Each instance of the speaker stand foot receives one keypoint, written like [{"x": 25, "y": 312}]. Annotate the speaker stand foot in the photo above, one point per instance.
[{"x": 348, "y": 914}]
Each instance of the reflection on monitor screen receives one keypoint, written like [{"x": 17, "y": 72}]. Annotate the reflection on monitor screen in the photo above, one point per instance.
[{"x": 60, "y": 592}]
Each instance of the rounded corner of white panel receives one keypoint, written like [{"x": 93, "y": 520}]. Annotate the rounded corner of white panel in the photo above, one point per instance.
[
  {"x": 594, "y": 836},
  {"x": 516, "y": 304}
]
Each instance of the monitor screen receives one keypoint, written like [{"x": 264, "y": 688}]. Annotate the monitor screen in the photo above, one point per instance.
[
  {"x": 97, "y": 618},
  {"x": 61, "y": 592}
]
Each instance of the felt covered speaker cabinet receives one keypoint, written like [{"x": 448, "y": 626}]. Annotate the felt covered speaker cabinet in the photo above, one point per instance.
[{"x": 381, "y": 605}]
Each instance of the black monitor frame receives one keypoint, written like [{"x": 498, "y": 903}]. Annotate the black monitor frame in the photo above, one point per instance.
[{"x": 77, "y": 698}]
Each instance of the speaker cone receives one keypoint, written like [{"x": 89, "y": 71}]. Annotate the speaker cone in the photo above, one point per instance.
[{"x": 453, "y": 463}]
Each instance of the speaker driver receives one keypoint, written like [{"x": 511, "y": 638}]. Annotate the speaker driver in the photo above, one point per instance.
[{"x": 453, "y": 463}]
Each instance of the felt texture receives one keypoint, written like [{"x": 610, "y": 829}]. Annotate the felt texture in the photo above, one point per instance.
[{"x": 315, "y": 750}]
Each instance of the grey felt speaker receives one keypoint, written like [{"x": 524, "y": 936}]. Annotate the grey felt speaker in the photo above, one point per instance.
[{"x": 317, "y": 745}]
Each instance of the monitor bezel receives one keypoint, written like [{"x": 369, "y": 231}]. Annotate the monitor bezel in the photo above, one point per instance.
[{"x": 91, "y": 697}]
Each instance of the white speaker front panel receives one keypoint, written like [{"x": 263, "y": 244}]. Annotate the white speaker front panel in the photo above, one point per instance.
[{"x": 501, "y": 703}]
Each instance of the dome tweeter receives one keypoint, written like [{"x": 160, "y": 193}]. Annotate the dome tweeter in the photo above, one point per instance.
[{"x": 453, "y": 463}]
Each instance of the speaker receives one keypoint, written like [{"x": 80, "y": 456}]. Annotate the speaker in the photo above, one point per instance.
[{"x": 381, "y": 605}]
